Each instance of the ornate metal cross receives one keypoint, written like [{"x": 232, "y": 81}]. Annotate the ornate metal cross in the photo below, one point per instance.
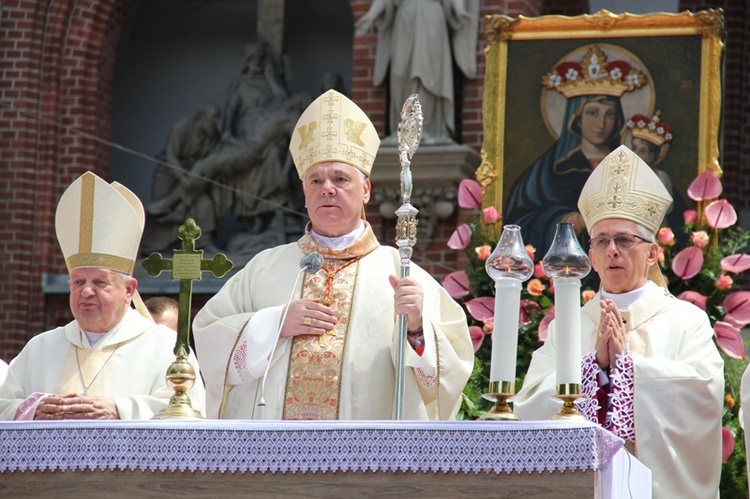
[{"x": 187, "y": 265}]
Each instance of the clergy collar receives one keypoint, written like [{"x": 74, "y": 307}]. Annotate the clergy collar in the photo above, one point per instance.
[
  {"x": 362, "y": 245},
  {"x": 624, "y": 300},
  {"x": 339, "y": 242},
  {"x": 98, "y": 337}
]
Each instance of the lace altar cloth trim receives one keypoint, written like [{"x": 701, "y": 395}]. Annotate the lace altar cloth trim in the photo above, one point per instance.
[{"x": 249, "y": 446}]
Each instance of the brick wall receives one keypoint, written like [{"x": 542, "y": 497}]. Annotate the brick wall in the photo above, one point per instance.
[{"x": 56, "y": 66}]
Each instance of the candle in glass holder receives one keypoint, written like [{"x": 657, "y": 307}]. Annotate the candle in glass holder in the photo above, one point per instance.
[
  {"x": 508, "y": 266},
  {"x": 567, "y": 263}
]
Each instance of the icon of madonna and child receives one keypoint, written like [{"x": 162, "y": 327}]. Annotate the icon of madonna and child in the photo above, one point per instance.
[{"x": 594, "y": 99}]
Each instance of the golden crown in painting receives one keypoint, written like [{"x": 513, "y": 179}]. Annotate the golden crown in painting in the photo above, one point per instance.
[
  {"x": 594, "y": 75},
  {"x": 333, "y": 128},
  {"x": 99, "y": 225},
  {"x": 651, "y": 129},
  {"x": 624, "y": 186}
]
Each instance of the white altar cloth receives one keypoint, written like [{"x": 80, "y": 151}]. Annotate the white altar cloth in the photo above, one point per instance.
[{"x": 332, "y": 446}]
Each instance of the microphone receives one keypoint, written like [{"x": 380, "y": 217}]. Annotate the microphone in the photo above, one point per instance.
[{"x": 311, "y": 263}]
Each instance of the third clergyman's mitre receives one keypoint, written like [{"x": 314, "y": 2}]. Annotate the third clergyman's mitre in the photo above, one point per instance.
[{"x": 624, "y": 186}]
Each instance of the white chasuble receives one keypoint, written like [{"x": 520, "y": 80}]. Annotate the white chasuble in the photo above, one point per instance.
[
  {"x": 679, "y": 390},
  {"x": 128, "y": 364},
  {"x": 347, "y": 373}
]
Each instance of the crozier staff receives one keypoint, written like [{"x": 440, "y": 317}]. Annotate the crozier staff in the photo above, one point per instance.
[
  {"x": 110, "y": 362},
  {"x": 335, "y": 358}
]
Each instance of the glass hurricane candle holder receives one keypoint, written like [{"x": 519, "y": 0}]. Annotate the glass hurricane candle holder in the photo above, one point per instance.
[
  {"x": 508, "y": 265},
  {"x": 566, "y": 263}
]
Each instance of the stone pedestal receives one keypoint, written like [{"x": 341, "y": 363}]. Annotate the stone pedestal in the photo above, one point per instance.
[{"x": 436, "y": 169}]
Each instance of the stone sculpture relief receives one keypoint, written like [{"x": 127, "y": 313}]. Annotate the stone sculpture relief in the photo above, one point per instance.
[{"x": 236, "y": 167}]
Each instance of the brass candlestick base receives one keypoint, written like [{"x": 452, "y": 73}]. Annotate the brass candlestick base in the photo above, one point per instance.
[
  {"x": 500, "y": 393},
  {"x": 569, "y": 393},
  {"x": 180, "y": 378}
]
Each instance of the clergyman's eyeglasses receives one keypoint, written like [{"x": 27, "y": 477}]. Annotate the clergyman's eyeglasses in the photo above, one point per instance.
[{"x": 623, "y": 241}]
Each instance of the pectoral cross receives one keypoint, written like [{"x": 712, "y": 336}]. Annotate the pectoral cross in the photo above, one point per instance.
[{"x": 187, "y": 265}]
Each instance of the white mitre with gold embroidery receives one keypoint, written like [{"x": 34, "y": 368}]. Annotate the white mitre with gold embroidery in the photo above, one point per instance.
[
  {"x": 99, "y": 225},
  {"x": 624, "y": 186},
  {"x": 333, "y": 128}
]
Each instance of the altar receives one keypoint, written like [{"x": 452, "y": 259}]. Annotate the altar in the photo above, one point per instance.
[{"x": 315, "y": 459}]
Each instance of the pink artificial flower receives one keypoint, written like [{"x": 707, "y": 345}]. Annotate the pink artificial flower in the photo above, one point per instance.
[
  {"x": 527, "y": 307},
  {"x": 699, "y": 238},
  {"x": 727, "y": 444},
  {"x": 737, "y": 306},
  {"x": 724, "y": 282},
  {"x": 695, "y": 298},
  {"x": 460, "y": 238},
  {"x": 690, "y": 217},
  {"x": 665, "y": 236},
  {"x": 539, "y": 271},
  {"x": 705, "y": 186},
  {"x": 457, "y": 284},
  {"x": 477, "y": 337},
  {"x": 483, "y": 252},
  {"x": 660, "y": 254},
  {"x": 733, "y": 322},
  {"x": 735, "y": 263},
  {"x": 482, "y": 308},
  {"x": 535, "y": 287},
  {"x": 545, "y": 322},
  {"x": 720, "y": 214},
  {"x": 587, "y": 295},
  {"x": 488, "y": 325},
  {"x": 490, "y": 215},
  {"x": 688, "y": 262},
  {"x": 530, "y": 250},
  {"x": 729, "y": 339},
  {"x": 469, "y": 194}
]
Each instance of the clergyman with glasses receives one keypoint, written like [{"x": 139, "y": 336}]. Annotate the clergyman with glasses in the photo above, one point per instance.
[{"x": 651, "y": 372}]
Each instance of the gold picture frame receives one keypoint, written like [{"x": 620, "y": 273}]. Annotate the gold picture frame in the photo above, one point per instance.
[{"x": 678, "y": 56}]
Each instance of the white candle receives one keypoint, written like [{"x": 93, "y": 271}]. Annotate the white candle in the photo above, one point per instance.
[
  {"x": 505, "y": 334},
  {"x": 568, "y": 330}
]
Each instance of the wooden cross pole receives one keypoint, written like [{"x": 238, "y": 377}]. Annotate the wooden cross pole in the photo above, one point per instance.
[{"x": 187, "y": 265}]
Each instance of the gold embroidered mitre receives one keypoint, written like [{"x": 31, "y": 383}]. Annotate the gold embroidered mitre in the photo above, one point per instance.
[
  {"x": 99, "y": 225},
  {"x": 333, "y": 128},
  {"x": 624, "y": 186}
]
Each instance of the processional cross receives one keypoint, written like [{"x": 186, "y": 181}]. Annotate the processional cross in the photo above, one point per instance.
[{"x": 187, "y": 265}]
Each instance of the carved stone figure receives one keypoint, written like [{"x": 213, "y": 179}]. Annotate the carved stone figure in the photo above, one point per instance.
[
  {"x": 190, "y": 140},
  {"x": 415, "y": 38},
  {"x": 243, "y": 169}
]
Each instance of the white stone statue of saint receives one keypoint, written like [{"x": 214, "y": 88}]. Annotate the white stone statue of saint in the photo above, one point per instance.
[{"x": 415, "y": 38}]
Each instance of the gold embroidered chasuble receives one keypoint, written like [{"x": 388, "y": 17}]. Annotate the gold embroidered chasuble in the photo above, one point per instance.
[{"x": 313, "y": 384}]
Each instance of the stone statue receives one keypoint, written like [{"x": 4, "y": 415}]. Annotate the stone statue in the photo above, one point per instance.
[
  {"x": 255, "y": 163},
  {"x": 415, "y": 38},
  {"x": 189, "y": 141},
  {"x": 243, "y": 169}
]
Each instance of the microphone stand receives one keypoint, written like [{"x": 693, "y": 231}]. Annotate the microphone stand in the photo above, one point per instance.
[
  {"x": 312, "y": 262},
  {"x": 409, "y": 136}
]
